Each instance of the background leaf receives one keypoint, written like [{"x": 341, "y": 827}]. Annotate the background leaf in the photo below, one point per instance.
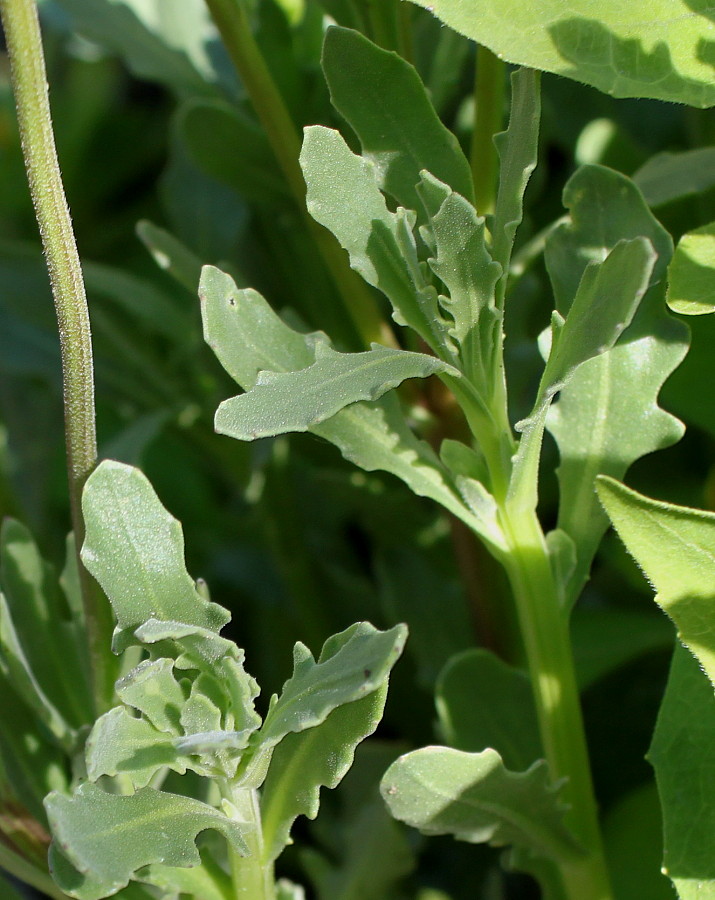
[{"x": 691, "y": 276}]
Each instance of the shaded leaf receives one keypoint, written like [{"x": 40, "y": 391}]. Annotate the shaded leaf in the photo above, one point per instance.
[
  {"x": 109, "y": 836},
  {"x": 660, "y": 50},
  {"x": 691, "y": 276},
  {"x": 675, "y": 547},
  {"x": 170, "y": 254},
  {"x": 483, "y": 702},
  {"x": 282, "y": 402},
  {"x": 367, "y": 86},
  {"x": 473, "y": 797},
  {"x": 148, "y": 578},
  {"x": 670, "y": 176},
  {"x": 685, "y": 773}
]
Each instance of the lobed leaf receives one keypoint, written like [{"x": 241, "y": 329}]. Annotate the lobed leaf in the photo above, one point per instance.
[
  {"x": 148, "y": 577},
  {"x": 475, "y": 798},
  {"x": 282, "y": 402},
  {"x": 659, "y": 48},
  {"x": 675, "y": 547},
  {"x": 368, "y": 86},
  {"x": 304, "y": 762},
  {"x": 108, "y": 837},
  {"x": 352, "y": 665}
]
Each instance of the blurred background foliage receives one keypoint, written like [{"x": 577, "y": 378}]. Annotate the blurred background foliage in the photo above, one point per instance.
[{"x": 159, "y": 144}]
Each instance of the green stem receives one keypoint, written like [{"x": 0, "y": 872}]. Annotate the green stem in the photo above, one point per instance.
[
  {"x": 252, "y": 878},
  {"x": 545, "y": 631},
  {"x": 29, "y": 79},
  {"x": 489, "y": 89},
  {"x": 232, "y": 21}
]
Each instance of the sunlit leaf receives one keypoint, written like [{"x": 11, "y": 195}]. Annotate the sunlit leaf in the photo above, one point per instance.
[{"x": 691, "y": 276}]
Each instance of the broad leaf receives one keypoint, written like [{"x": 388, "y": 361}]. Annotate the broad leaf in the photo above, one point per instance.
[
  {"x": 473, "y": 797},
  {"x": 352, "y": 664},
  {"x": 137, "y": 830},
  {"x": 669, "y": 176},
  {"x": 282, "y": 402},
  {"x": 691, "y": 277},
  {"x": 651, "y": 49},
  {"x": 675, "y": 547},
  {"x": 308, "y": 760},
  {"x": 499, "y": 714},
  {"x": 592, "y": 421},
  {"x": 343, "y": 195},
  {"x": 367, "y": 86},
  {"x": 681, "y": 754},
  {"x": 135, "y": 549}
]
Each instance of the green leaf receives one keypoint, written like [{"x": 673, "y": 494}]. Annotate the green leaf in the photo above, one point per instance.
[
  {"x": 151, "y": 689},
  {"x": 518, "y": 149},
  {"x": 286, "y": 890},
  {"x": 170, "y": 254},
  {"x": 658, "y": 49},
  {"x": 135, "y": 831},
  {"x": 248, "y": 337},
  {"x": 46, "y": 633},
  {"x": 352, "y": 665},
  {"x": 207, "y": 881},
  {"x": 500, "y": 714},
  {"x": 174, "y": 49},
  {"x": 122, "y": 743},
  {"x": 229, "y": 146},
  {"x": 681, "y": 754},
  {"x": 368, "y": 86},
  {"x": 606, "y": 300},
  {"x": 592, "y": 421},
  {"x": 304, "y": 762},
  {"x": 691, "y": 277},
  {"x": 135, "y": 550},
  {"x": 343, "y": 195},
  {"x": 670, "y": 176},
  {"x": 283, "y": 402},
  {"x": 466, "y": 268},
  {"x": 675, "y": 547},
  {"x": 473, "y": 797},
  {"x": 8, "y": 891}
]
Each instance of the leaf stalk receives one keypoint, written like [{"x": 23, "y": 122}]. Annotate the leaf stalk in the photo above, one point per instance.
[
  {"x": 489, "y": 90},
  {"x": 27, "y": 68}
]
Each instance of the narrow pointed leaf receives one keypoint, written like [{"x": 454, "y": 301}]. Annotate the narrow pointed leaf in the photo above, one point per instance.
[
  {"x": 681, "y": 754},
  {"x": 670, "y": 176},
  {"x": 308, "y": 760},
  {"x": 657, "y": 50},
  {"x": 293, "y": 401},
  {"x": 367, "y": 85},
  {"x": 675, "y": 547},
  {"x": 135, "y": 549},
  {"x": 473, "y": 797},
  {"x": 110, "y": 836},
  {"x": 352, "y": 665}
]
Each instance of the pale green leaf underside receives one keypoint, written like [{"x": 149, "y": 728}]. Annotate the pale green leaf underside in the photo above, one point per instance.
[
  {"x": 675, "y": 547},
  {"x": 659, "y": 48},
  {"x": 475, "y": 798},
  {"x": 681, "y": 754},
  {"x": 691, "y": 276},
  {"x": 283, "y": 402},
  {"x": 111, "y": 836},
  {"x": 135, "y": 550}
]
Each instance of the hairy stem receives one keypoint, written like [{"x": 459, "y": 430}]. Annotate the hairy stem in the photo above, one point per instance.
[
  {"x": 489, "y": 89},
  {"x": 29, "y": 80},
  {"x": 232, "y": 21}
]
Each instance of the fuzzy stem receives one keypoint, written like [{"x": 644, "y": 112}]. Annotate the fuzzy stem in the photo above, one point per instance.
[
  {"x": 231, "y": 19},
  {"x": 489, "y": 89},
  {"x": 27, "y": 66}
]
